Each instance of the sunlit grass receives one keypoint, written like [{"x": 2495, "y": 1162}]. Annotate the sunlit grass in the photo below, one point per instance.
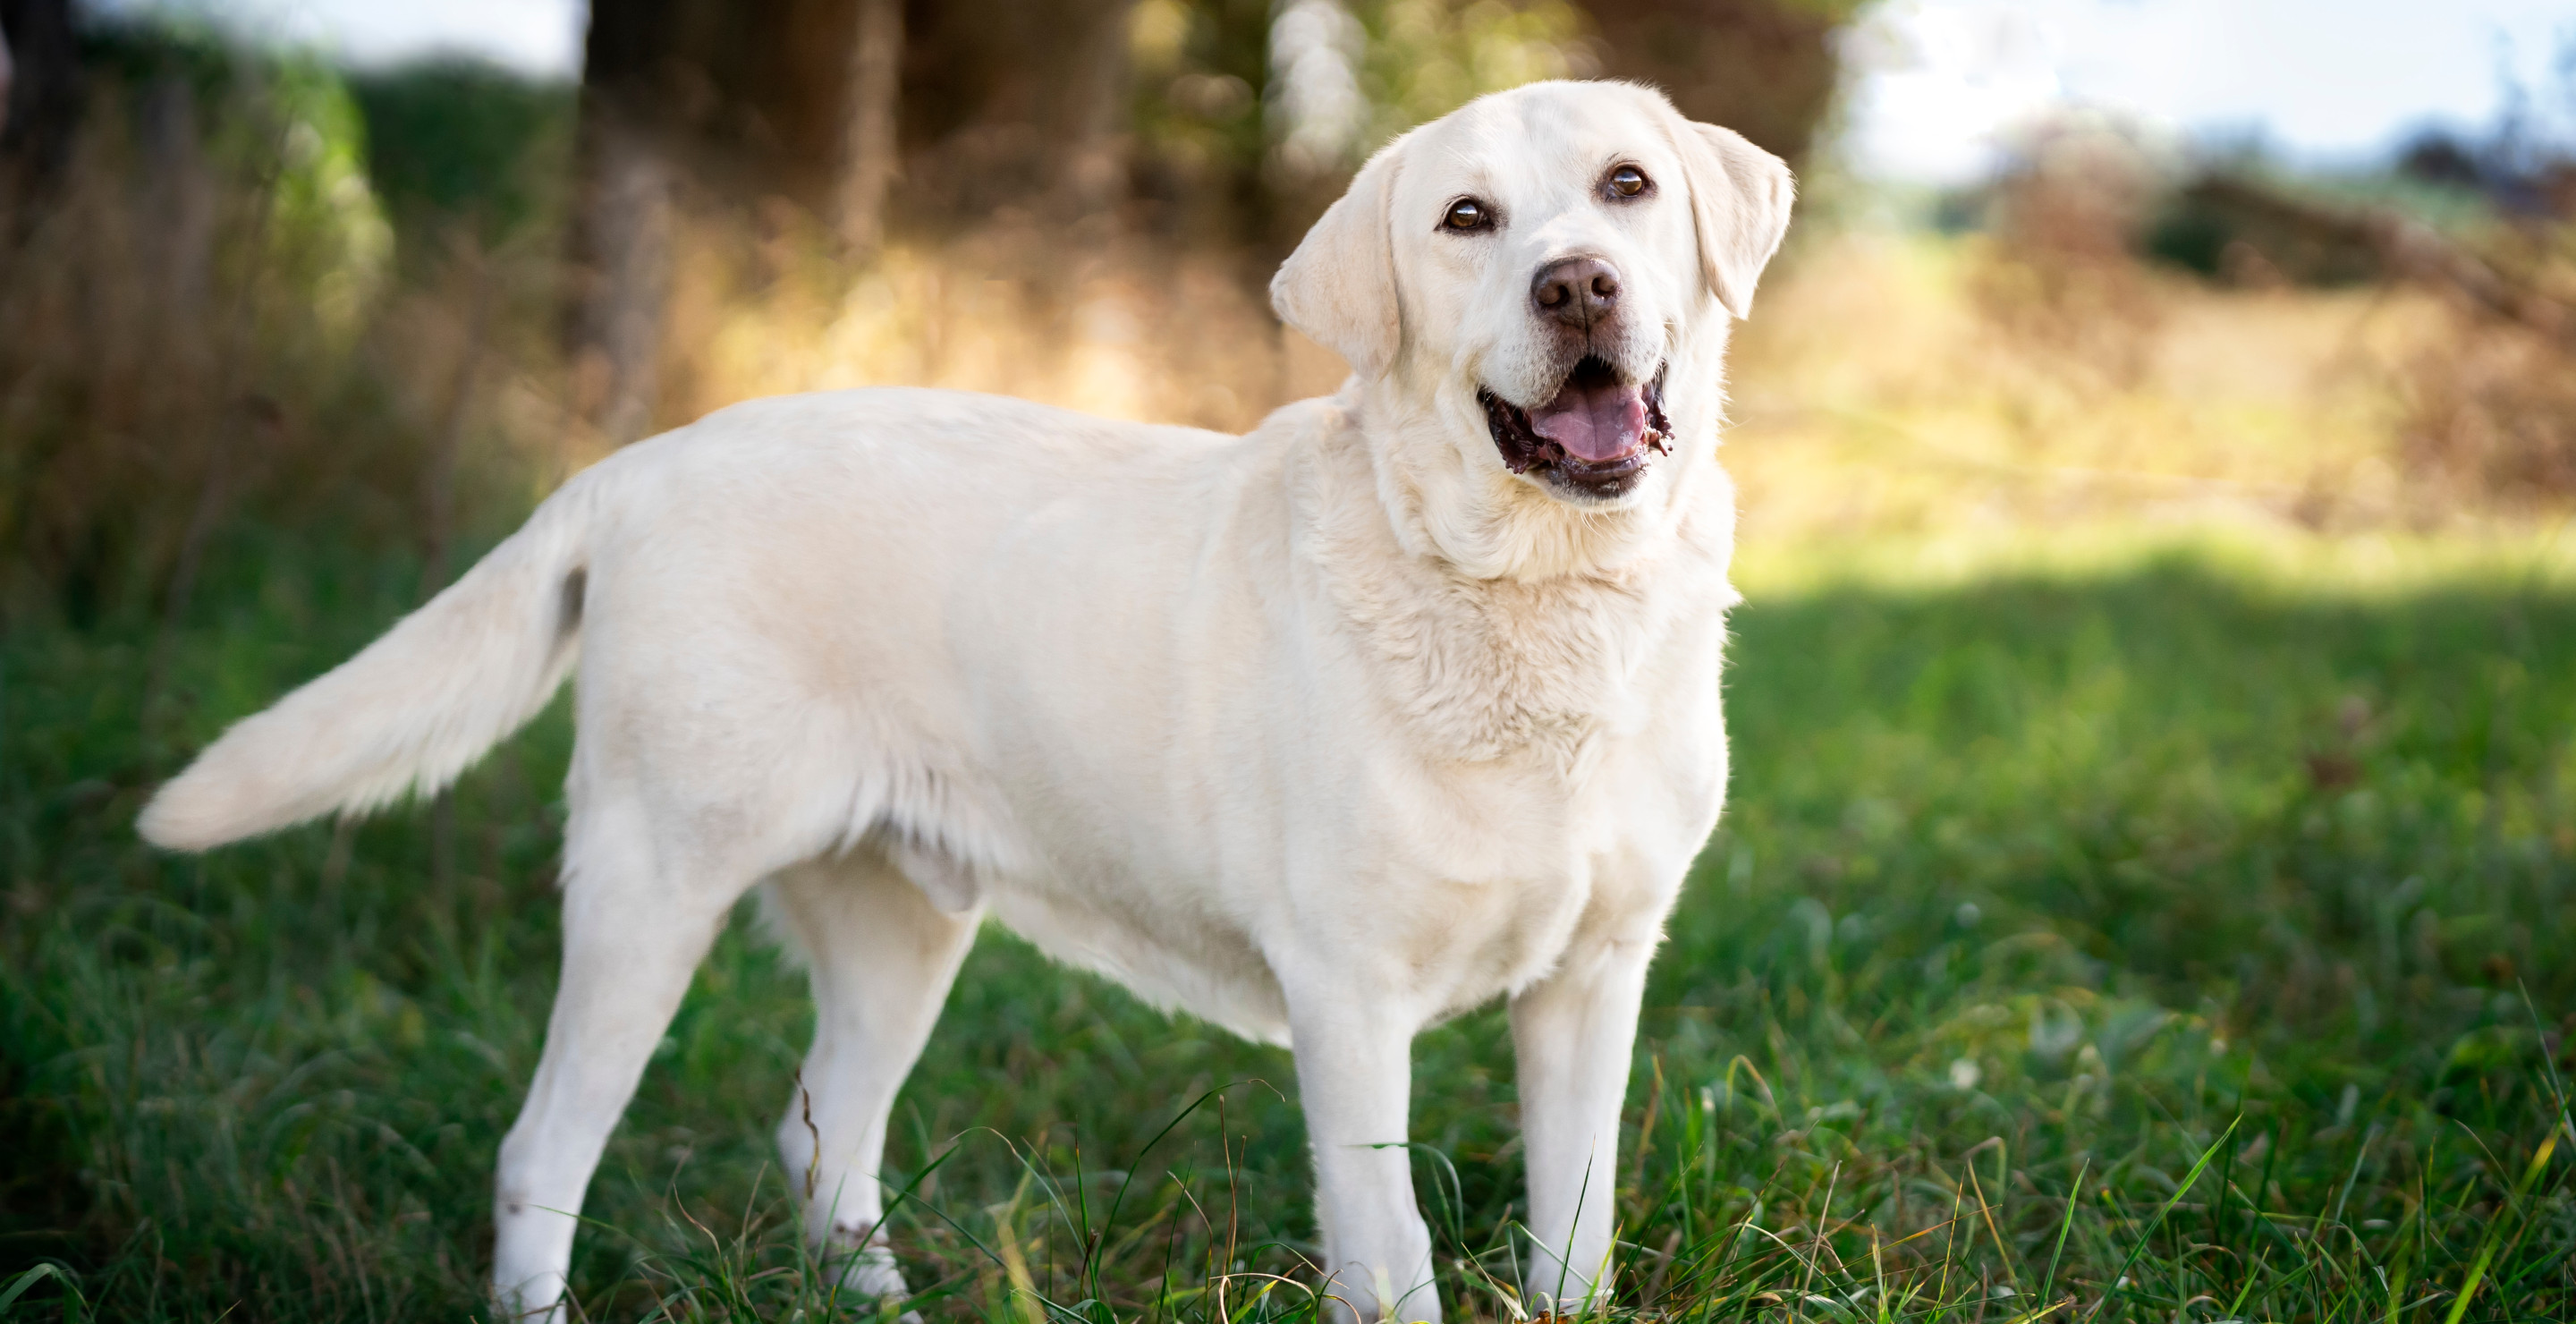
[{"x": 2028, "y": 877}]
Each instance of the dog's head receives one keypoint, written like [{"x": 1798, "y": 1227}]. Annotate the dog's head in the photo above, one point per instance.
[{"x": 1534, "y": 293}]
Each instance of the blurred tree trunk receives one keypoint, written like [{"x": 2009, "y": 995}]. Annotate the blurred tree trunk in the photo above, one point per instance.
[
  {"x": 1764, "y": 68},
  {"x": 621, "y": 227},
  {"x": 1014, "y": 103},
  {"x": 705, "y": 107},
  {"x": 694, "y": 108},
  {"x": 874, "y": 91},
  {"x": 1093, "y": 103},
  {"x": 620, "y": 277},
  {"x": 181, "y": 190},
  {"x": 43, "y": 102}
]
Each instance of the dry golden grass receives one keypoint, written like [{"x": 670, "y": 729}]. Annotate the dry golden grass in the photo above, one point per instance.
[
  {"x": 1876, "y": 386},
  {"x": 1122, "y": 327},
  {"x": 1876, "y": 394},
  {"x": 1892, "y": 422},
  {"x": 1921, "y": 394}
]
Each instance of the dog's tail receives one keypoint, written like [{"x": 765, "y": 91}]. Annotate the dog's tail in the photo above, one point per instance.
[{"x": 409, "y": 713}]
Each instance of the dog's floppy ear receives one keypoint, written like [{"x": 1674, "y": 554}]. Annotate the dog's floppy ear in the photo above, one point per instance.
[
  {"x": 1339, "y": 286},
  {"x": 1740, "y": 198}
]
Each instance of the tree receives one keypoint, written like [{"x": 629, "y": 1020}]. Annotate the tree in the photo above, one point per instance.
[
  {"x": 1764, "y": 68},
  {"x": 43, "y": 100},
  {"x": 1014, "y": 102},
  {"x": 700, "y": 103},
  {"x": 696, "y": 105},
  {"x": 874, "y": 89}
]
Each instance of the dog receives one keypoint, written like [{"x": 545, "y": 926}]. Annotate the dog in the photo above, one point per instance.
[{"x": 1402, "y": 702}]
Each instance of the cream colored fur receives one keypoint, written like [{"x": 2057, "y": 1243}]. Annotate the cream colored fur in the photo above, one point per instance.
[{"x": 1321, "y": 733}]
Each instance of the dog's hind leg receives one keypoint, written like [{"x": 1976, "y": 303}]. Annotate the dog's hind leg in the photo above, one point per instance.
[
  {"x": 641, "y": 908},
  {"x": 880, "y": 958}
]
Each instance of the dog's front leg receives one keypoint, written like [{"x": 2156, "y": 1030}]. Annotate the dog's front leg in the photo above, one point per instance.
[
  {"x": 1574, "y": 1034},
  {"x": 1355, "y": 1075}
]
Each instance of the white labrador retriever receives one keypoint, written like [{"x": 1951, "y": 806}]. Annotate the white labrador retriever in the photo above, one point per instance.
[{"x": 1404, "y": 701}]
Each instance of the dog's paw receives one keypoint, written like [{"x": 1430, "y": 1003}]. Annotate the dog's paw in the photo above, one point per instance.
[{"x": 871, "y": 1272}]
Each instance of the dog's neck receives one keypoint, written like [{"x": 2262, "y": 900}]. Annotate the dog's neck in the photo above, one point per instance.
[{"x": 1515, "y": 629}]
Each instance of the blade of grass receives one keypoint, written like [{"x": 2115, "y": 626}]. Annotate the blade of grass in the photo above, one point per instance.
[
  {"x": 2487, "y": 1244},
  {"x": 2150, "y": 1230},
  {"x": 2048, "y": 1285},
  {"x": 1824, "y": 1216},
  {"x": 1985, "y": 1207},
  {"x": 18, "y": 1286}
]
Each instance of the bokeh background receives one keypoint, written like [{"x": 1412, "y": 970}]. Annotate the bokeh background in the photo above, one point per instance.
[{"x": 2149, "y": 884}]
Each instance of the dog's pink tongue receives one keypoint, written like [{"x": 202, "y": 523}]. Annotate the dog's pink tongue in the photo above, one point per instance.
[{"x": 1597, "y": 423}]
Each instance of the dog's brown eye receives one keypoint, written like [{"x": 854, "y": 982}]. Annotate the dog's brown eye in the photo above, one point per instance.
[
  {"x": 1467, "y": 214},
  {"x": 1627, "y": 181}
]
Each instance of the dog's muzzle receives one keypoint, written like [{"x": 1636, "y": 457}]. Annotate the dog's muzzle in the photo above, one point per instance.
[{"x": 1592, "y": 438}]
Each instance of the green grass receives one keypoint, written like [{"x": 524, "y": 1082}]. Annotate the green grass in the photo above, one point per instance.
[{"x": 2037, "y": 896}]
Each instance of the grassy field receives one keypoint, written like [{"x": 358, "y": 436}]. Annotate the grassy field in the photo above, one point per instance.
[
  {"x": 2179, "y": 933},
  {"x": 2148, "y": 891}
]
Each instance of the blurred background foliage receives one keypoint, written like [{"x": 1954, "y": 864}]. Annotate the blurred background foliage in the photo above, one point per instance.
[
  {"x": 215, "y": 247},
  {"x": 2153, "y": 706},
  {"x": 1050, "y": 182}
]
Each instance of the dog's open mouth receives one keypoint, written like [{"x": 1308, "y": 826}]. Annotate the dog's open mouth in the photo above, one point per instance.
[{"x": 1593, "y": 437}]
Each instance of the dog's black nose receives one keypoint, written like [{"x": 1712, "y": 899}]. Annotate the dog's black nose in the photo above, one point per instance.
[{"x": 1578, "y": 291}]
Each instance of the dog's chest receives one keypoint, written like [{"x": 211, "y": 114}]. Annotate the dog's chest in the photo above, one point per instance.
[
  {"x": 1564, "y": 753},
  {"x": 1507, "y": 673},
  {"x": 1497, "y": 869}
]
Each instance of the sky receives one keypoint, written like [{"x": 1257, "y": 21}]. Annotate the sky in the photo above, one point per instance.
[
  {"x": 535, "y": 36},
  {"x": 2324, "y": 81},
  {"x": 1939, "y": 83}
]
